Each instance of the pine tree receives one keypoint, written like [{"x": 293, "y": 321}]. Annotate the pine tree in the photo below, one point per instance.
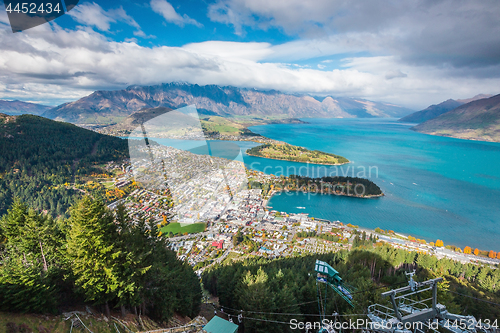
[
  {"x": 92, "y": 251},
  {"x": 30, "y": 271}
]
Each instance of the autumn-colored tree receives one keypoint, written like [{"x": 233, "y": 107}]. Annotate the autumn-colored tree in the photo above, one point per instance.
[
  {"x": 492, "y": 254},
  {"x": 498, "y": 255},
  {"x": 476, "y": 252},
  {"x": 439, "y": 243},
  {"x": 467, "y": 250}
]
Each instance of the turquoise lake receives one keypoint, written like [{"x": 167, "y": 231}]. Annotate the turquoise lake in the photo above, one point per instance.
[{"x": 435, "y": 187}]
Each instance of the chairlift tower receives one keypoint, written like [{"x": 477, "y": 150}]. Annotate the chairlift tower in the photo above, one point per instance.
[
  {"x": 328, "y": 276},
  {"x": 410, "y": 313}
]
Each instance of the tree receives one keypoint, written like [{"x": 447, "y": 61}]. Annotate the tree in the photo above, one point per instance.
[
  {"x": 30, "y": 273},
  {"x": 106, "y": 257},
  {"x": 92, "y": 251},
  {"x": 492, "y": 254},
  {"x": 439, "y": 243},
  {"x": 253, "y": 294},
  {"x": 237, "y": 238},
  {"x": 133, "y": 260},
  {"x": 356, "y": 242},
  {"x": 467, "y": 250},
  {"x": 476, "y": 252}
]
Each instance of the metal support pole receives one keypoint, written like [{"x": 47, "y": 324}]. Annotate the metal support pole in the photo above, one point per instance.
[
  {"x": 434, "y": 295},
  {"x": 396, "y": 311}
]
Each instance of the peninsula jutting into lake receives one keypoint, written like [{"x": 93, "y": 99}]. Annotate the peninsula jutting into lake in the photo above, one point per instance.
[
  {"x": 338, "y": 185},
  {"x": 287, "y": 152}
]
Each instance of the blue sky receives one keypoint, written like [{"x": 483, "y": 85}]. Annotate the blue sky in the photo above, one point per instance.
[
  {"x": 193, "y": 25},
  {"x": 408, "y": 53}
]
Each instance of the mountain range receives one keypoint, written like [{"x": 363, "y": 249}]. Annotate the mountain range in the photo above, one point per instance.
[
  {"x": 434, "y": 111},
  {"x": 476, "y": 120},
  {"x": 16, "y": 108},
  {"x": 110, "y": 107},
  {"x": 431, "y": 112}
]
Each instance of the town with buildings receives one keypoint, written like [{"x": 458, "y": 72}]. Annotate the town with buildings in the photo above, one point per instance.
[{"x": 180, "y": 187}]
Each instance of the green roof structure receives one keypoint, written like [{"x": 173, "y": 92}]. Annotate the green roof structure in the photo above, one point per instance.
[
  {"x": 323, "y": 268},
  {"x": 219, "y": 325}
]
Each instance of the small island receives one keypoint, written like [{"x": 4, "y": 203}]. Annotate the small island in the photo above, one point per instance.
[{"x": 287, "y": 152}]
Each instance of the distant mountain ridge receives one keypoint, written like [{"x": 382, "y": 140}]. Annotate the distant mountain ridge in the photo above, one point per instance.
[
  {"x": 434, "y": 111},
  {"x": 431, "y": 112},
  {"x": 477, "y": 120},
  {"x": 16, "y": 108},
  {"x": 108, "y": 107},
  {"x": 475, "y": 98}
]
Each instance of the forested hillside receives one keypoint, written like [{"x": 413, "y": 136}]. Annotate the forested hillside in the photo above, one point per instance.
[
  {"x": 38, "y": 156},
  {"x": 265, "y": 289},
  {"x": 95, "y": 257}
]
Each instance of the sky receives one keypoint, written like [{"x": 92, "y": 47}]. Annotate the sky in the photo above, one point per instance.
[{"x": 410, "y": 53}]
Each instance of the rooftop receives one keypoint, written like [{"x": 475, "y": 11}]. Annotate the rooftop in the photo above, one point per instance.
[{"x": 219, "y": 325}]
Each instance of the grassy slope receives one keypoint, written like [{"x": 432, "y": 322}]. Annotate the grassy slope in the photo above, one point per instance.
[
  {"x": 222, "y": 125},
  {"x": 178, "y": 228},
  {"x": 57, "y": 324}
]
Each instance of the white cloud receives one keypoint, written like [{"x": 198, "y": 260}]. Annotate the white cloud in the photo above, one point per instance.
[
  {"x": 59, "y": 65},
  {"x": 232, "y": 50},
  {"x": 120, "y": 14},
  {"x": 395, "y": 74},
  {"x": 168, "y": 12},
  {"x": 93, "y": 15},
  {"x": 447, "y": 32},
  {"x": 4, "y": 19}
]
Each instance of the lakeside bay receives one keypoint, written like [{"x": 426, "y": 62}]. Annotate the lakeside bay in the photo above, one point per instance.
[{"x": 435, "y": 187}]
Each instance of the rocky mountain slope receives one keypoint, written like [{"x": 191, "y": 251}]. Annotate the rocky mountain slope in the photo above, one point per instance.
[
  {"x": 431, "y": 112},
  {"x": 477, "y": 120},
  {"x": 108, "y": 107},
  {"x": 434, "y": 111}
]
